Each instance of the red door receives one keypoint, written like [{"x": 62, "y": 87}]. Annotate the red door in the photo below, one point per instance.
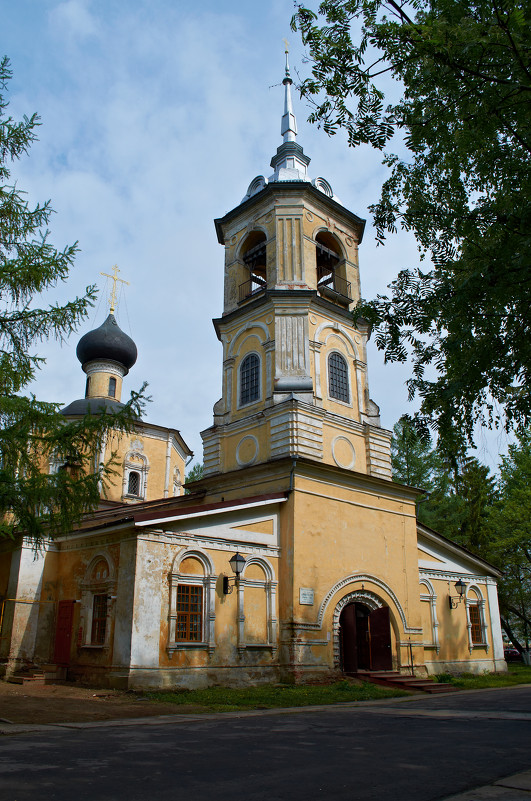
[
  {"x": 380, "y": 638},
  {"x": 63, "y": 632},
  {"x": 349, "y": 651}
]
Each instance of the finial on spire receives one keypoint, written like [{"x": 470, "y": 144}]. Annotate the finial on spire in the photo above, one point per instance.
[
  {"x": 114, "y": 278},
  {"x": 289, "y": 125}
]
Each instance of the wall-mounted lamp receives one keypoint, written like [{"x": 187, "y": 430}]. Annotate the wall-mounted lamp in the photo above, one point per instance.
[
  {"x": 237, "y": 563},
  {"x": 460, "y": 586}
]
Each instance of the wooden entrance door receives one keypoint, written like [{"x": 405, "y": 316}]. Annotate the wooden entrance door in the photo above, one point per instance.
[
  {"x": 380, "y": 639},
  {"x": 365, "y": 638},
  {"x": 63, "y": 632}
]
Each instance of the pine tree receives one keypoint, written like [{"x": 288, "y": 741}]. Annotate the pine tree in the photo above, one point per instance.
[{"x": 32, "y": 432}]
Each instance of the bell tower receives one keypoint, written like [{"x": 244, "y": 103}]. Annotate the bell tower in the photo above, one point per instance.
[{"x": 294, "y": 361}]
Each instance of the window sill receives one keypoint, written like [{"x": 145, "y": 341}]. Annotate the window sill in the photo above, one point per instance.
[
  {"x": 94, "y": 647},
  {"x": 185, "y": 646}
]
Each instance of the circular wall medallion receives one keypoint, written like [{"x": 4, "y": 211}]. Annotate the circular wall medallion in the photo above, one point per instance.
[
  {"x": 269, "y": 319},
  {"x": 313, "y": 319},
  {"x": 268, "y": 217},
  {"x": 349, "y": 241},
  {"x": 343, "y": 453},
  {"x": 247, "y": 450},
  {"x": 309, "y": 216},
  {"x": 234, "y": 240}
]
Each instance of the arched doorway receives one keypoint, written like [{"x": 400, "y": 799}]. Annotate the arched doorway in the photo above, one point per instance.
[{"x": 365, "y": 637}]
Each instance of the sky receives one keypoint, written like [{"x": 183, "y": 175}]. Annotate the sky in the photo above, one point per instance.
[{"x": 156, "y": 115}]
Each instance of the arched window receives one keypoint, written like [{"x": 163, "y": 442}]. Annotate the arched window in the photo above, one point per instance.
[
  {"x": 112, "y": 387},
  {"x": 249, "y": 379},
  {"x": 338, "y": 378},
  {"x": 97, "y": 588},
  {"x": 87, "y": 387},
  {"x": 477, "y": 629},
  {"x": 133, "y": 483}
]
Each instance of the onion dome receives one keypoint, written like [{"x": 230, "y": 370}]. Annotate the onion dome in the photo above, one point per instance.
[{"x": 109, "y": 343}]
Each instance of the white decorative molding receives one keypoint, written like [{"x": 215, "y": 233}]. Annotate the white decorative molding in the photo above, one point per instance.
[
  {"x": 251, "y": 459},
  {"x": 369, "y": 599},
  {"x": 335, "y": 446}
]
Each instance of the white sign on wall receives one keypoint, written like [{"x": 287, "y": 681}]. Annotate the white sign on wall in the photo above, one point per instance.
[{"x": 306, "y": 596}]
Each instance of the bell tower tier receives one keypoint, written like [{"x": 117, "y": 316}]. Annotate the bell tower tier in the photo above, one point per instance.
[{"x": 294, "y": 361}]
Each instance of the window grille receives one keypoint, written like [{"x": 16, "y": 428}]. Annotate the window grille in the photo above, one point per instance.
[
  {"x": 112, "y": 387},
  {"x": 476, "y": 633},
  {"x": 133, "y": 483},
  {"x": 99, "y": 619},
  {"x": 189, "y": 623},
  {"x": 250, "y": 379},
  {"x": 338, "y": 378}
]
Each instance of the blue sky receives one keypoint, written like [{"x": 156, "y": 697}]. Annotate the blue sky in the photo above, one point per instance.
[{"x": 156, "y": 115}]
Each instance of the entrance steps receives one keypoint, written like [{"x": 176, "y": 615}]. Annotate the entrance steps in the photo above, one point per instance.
[
  {"x": 392, "y": 678},
  {"x": 45, "y": 674}
]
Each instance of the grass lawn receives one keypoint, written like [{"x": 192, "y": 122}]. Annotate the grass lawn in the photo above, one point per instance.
[
  {"x": 518, "y": 674},
  {"x": 270, "y": 696}
]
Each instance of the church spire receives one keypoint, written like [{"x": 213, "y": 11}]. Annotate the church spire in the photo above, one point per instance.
[{"x": 289, "y": 124}]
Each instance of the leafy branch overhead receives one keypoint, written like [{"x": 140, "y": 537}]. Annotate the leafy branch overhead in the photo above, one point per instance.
[
  {"x": 463, "y": 187},
  {"x": 34, "y": 434}
]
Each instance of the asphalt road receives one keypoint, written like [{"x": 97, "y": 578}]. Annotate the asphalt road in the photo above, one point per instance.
[{"x": 418, "y": 750}]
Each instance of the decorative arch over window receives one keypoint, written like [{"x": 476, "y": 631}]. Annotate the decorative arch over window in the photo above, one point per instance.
[
  {"x": 430, "y": 623},
  {"x": 136, "y": 469},
  {"x": 192, "y": 611},
  {"x": 476, "y": 623},
  {"x": 249, "y": 379},
  {"x": 257, "y": 606},
  {"x": 253, "y": 255},
  {"x": 97, "y": 596},
  {"x": 338, "y": 383}
]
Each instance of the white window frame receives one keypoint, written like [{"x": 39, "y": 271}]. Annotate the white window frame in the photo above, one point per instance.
[
  {"x": 476, "y": 599},
  {"x": 208, "y": 581},
  {"x": 91, "y": 587}
]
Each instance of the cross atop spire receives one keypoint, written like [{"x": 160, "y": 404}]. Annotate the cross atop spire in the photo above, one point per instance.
[
  {"x": 289, "y": 124},
  {"x": 114, "y": 278}
]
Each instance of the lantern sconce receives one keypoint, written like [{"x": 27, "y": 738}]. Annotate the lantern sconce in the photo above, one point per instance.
[
  {"x": 460, "y": 587},
  {"x": 237, "y": 563}
]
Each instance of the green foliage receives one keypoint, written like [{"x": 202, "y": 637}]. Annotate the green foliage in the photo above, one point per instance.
[
  {"x": 194, "y": 474},
  {"x": 510, "y": 528},
  {"x": 463, "y": 189},
  {"x": 517, "y": 674},
  {"x": 33, "y": 433},
  {"x": 460, "y": 492},
  {"x": 269, "y": 696}
]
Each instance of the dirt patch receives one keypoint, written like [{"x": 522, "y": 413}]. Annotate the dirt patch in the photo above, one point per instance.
[{"x": 71, "y": 703}]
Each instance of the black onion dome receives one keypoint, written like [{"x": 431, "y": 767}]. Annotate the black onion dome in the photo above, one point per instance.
[
  {"x": 83, "y": 406},
  {"x": 107, "y": 342}
]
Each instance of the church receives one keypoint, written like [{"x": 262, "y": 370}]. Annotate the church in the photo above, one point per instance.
[{"x": 295, "y": 557}]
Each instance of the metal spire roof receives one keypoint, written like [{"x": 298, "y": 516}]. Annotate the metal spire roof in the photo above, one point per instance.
[{"x": 290, "y": 163}]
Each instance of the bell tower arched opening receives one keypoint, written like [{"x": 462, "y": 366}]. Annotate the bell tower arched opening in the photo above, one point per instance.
[
  {"x": 331, "y": 271},
  {"x": 254, "y": 258}
]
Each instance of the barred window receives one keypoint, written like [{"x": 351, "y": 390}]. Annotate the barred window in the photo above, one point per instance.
[
  {"x": 338, "y": 378},
  {"x": 99, "y": 620},
  {"x": 133, "y": 483},
  {"x": 250, "y": 379},
  {"x": 189, "y": 624},
  {"x": 476, "y": 633}
]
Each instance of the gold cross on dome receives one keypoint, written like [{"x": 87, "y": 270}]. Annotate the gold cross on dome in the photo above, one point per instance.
[
  {"x": 114, "y": 278},
  {"x": 286, "y": 43}
]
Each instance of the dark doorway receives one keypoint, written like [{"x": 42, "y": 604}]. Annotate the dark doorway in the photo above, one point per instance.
[
  {"x": 63, "y": 632},
  {"x": 365, "y": 638}
]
